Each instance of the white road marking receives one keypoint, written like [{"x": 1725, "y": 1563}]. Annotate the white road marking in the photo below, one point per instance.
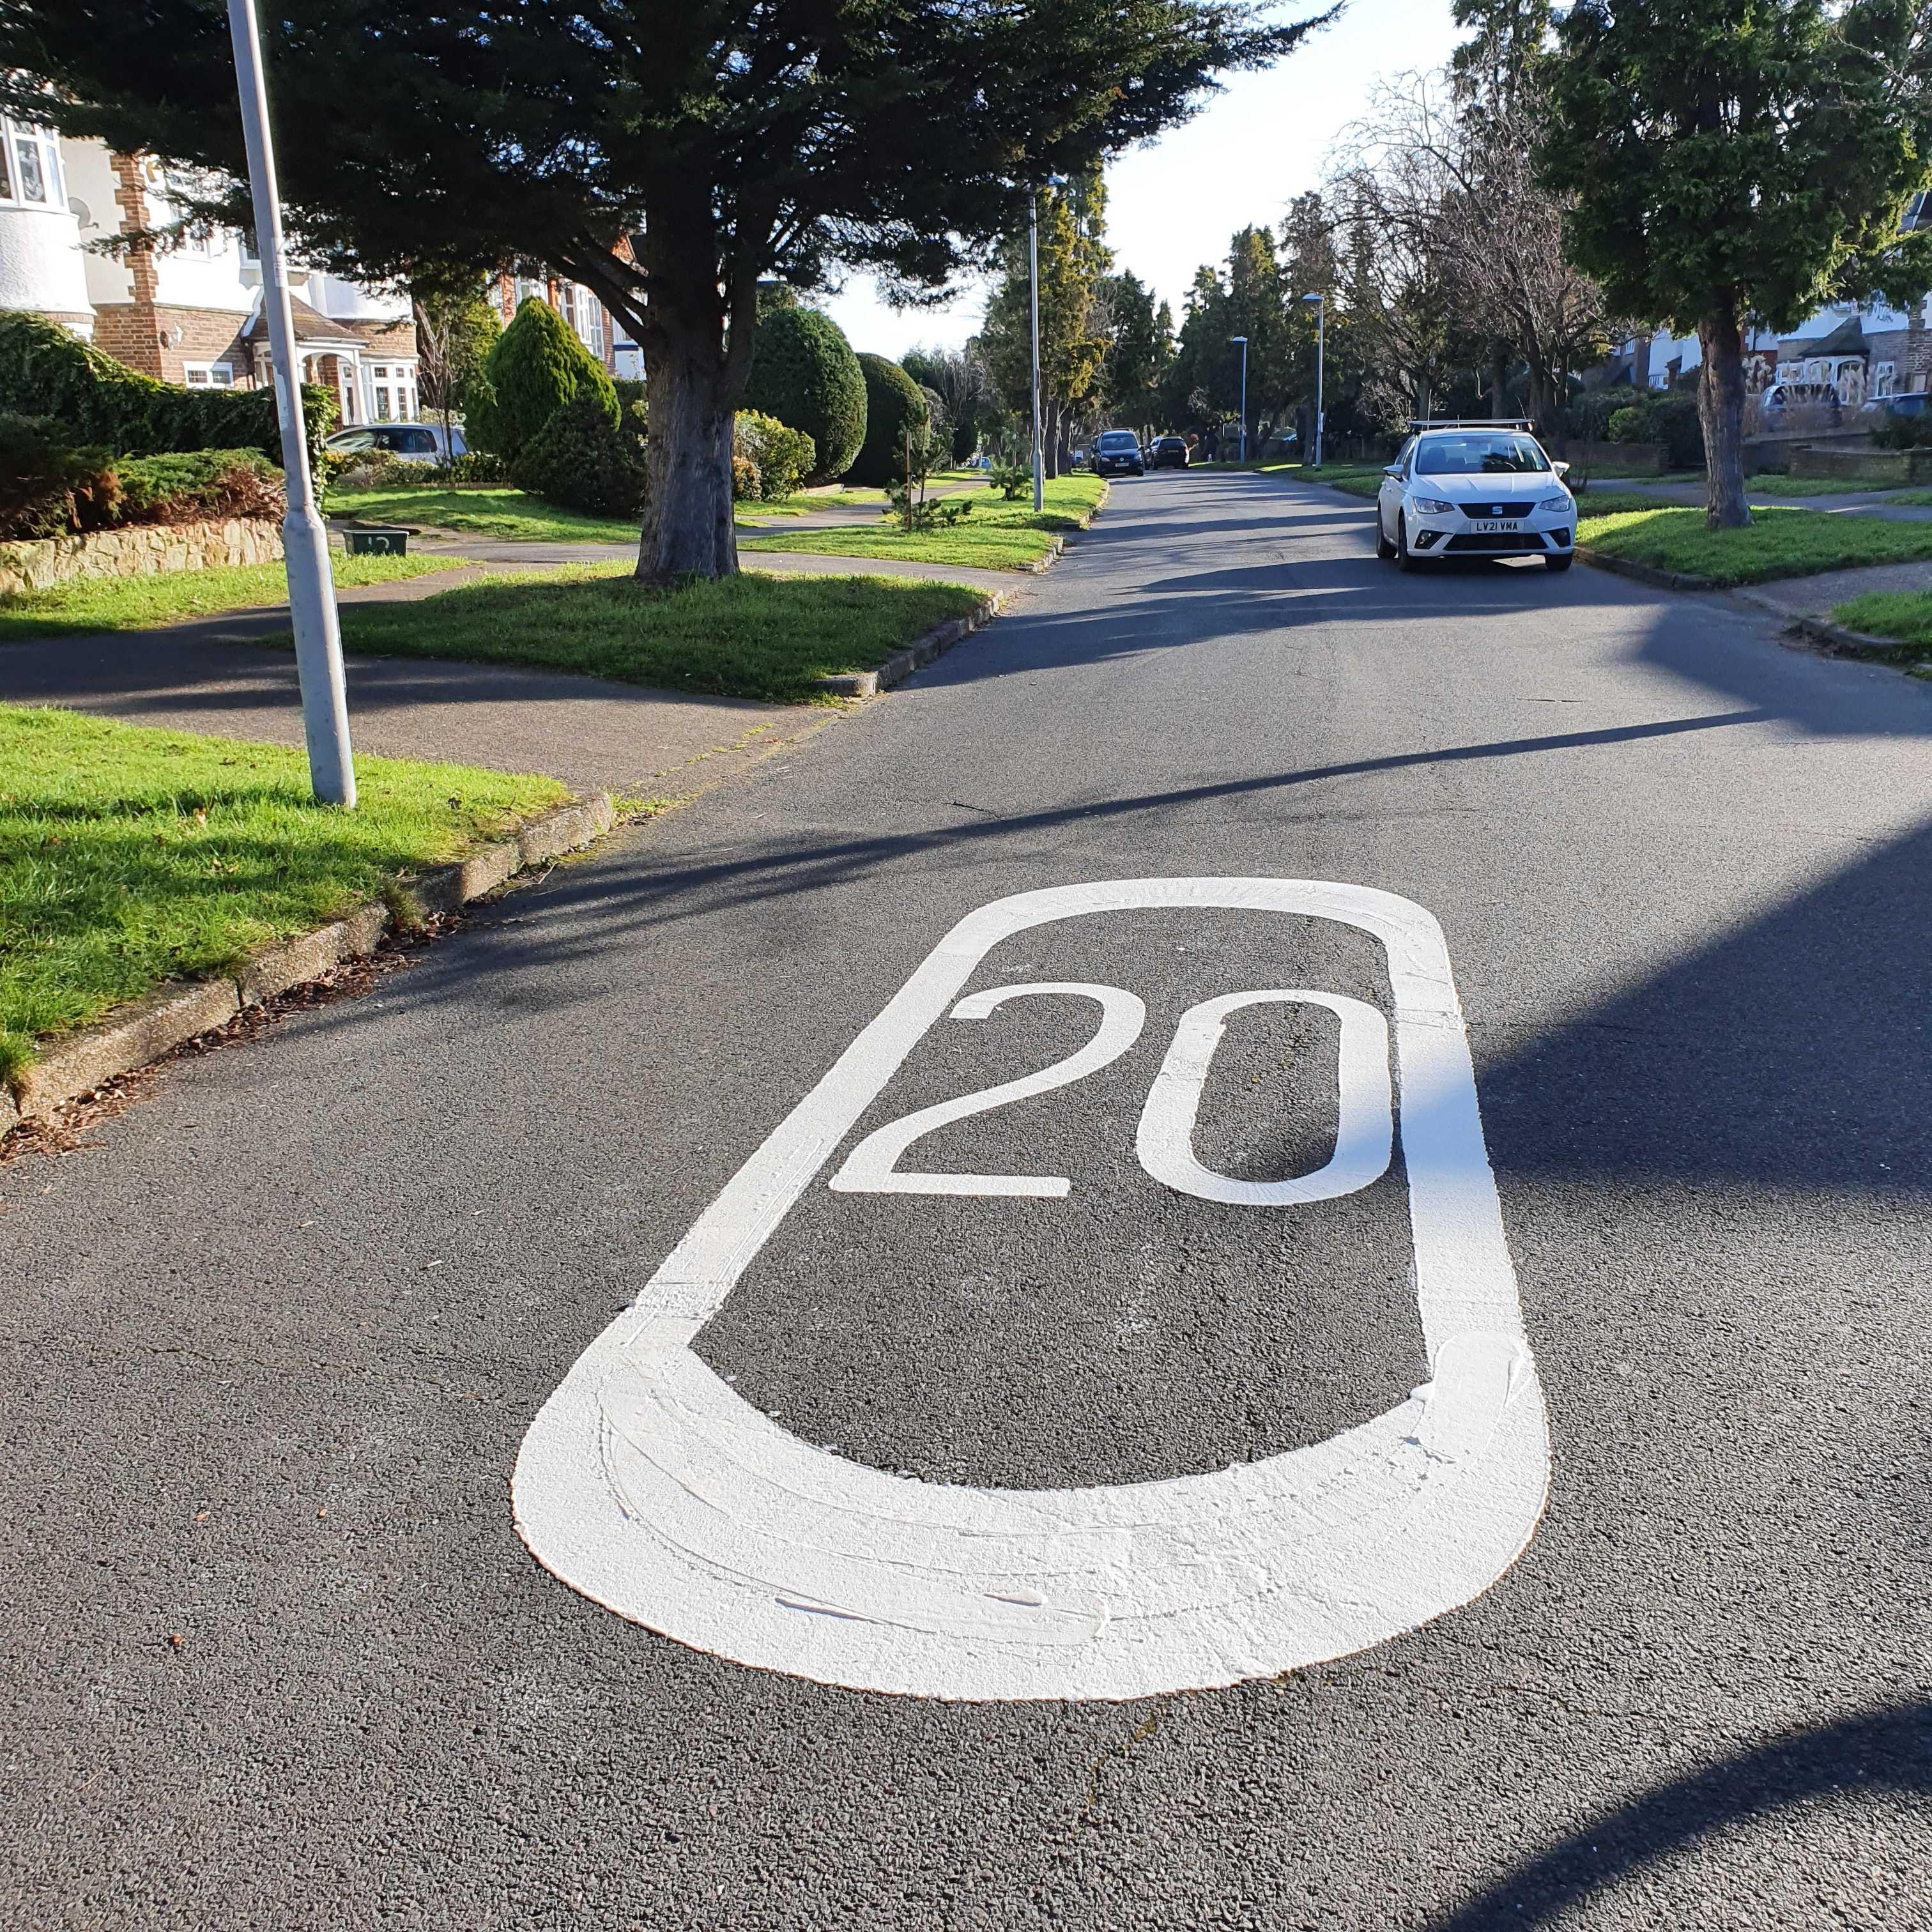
[
  {"x": 872, "y": 1168},
  {"x": 650, "y": 1485},
  {"x": 1364, "y": 1135}
]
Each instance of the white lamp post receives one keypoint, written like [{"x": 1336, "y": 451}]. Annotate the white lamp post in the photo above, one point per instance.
[
  {"x": 324, "y": 701},
  {"x": 1033, "y": 279},
  {"x": 1321, "y": 330},
  {"x": 1243, "y": 341}
]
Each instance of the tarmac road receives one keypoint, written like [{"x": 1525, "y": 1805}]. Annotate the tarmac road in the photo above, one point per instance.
[{"x": 277, "y": 1658}]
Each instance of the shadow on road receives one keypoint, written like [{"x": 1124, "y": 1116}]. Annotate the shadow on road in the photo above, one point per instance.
[{"x": 1885, "y": 1753}]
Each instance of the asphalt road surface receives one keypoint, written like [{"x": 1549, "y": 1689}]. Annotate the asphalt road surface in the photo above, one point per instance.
[{"x": 277, "y": 1656}]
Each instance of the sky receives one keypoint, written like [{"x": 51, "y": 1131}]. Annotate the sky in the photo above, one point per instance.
[{"x": 1174, "y": 203}]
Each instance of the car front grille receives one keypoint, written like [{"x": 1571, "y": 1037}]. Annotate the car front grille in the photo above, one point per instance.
[
  {"x": 1496, "y": 509},
  {"x": 1504, "y": 540}
]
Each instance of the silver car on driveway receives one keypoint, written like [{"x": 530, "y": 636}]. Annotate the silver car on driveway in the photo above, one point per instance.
[{"x": 1466, "y": 489}]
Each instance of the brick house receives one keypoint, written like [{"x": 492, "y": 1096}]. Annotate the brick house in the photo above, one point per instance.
[
  {"x": 595, "y": 327},
  {"x": 191, "y": 313}
]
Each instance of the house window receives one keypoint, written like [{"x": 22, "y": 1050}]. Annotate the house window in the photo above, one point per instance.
[
  {"x": 392, "y": 391},
  {"x": 1885, "y": 377},
  {"x": 209, "y": 375},
  {"x": 30, "y": 170}
]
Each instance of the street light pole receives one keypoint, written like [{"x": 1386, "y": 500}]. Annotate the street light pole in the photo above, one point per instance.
[
  {"x": 1033, "y": 278},
  {"x": 325, "y": 700},
  {"x": 1243, "y": 341},
  {"x": 1321, "y": 302}
]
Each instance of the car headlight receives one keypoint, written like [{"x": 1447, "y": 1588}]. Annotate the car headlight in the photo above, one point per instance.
[
  {"x": 1561, "y": 501},
  {"x": 1431, "y": 506}
]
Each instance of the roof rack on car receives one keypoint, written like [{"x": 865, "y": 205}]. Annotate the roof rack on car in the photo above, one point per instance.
[{"x": 1471, "y": 422}]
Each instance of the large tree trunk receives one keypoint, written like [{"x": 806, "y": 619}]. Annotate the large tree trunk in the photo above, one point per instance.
[
  {"x": 691, "y": 386},
  {"x": 1720, "y": 409}
]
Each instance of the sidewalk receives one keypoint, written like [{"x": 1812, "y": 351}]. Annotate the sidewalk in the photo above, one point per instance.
[
  {"x": 1864, "y": 503},
  {"x": 1814, "y": 596}
]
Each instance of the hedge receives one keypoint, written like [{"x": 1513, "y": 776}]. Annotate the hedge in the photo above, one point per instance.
[
  {"x": 804, "y": 372},
  {"x": 583, "y": 460},
  {"x": 535, "y": 368},
  {"x": 895, "y": 406},
  {"x": 783, "y": 457},
  {"x": 45, "y": 371}
]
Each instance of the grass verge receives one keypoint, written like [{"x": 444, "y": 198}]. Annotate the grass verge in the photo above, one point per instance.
[
  {"x": 1781, "y": 542},
  {"x": 1904, "y": 615},
  {"x": 747, "y": 636},
  {"x": 997, "y": 536},
  {"x": 129, "y": 856},
  {"x": 481, "y": 513},
  {"x": 92, "y": 603}
]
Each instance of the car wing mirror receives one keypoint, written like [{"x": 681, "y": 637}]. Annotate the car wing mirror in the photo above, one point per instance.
[
  {"x": 1561, "y": 469},
  {"x": 1393, "y": 469}
]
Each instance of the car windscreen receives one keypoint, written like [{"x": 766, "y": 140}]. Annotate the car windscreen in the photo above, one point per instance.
[
  {"x": 1119, "y": 438},
  {"x": 1478, "y": 454}
]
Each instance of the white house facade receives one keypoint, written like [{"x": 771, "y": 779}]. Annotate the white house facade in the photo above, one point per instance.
[{"x": 190, "y": 313}]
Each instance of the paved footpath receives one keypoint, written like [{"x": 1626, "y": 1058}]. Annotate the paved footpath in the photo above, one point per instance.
[
  {"x": 592, "y": 733},
  {"x": 1139, "y": 1365}
]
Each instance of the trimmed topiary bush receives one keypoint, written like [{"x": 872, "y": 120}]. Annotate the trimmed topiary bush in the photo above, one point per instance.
[
  {"x": 536, "y": 367},
  {"x": 583, "y": 460},
  {"x": 804, "y": 372},
  {"x": 784, "y": 457},
  {"x": 895, "y": 405},
  {"x": 44, "y": 371}
]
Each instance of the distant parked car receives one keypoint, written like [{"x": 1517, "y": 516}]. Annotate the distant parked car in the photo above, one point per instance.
[
  {"x": 1912, "y": 403},
  {"x": 1170, "y": 452},
  {"x": 413, "y": 442},
  {"x": 1118, "y": 450}
]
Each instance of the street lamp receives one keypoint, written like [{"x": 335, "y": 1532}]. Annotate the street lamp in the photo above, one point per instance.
[
  {"x": 1032, "y": 282},
  {"x": 1321, "y": 330},
  {"x": 1243, "y": 341},
  {"x": 324, "y": 701}
]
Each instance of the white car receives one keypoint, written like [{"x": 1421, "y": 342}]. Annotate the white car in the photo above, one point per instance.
[{"x": 1474, "y": 490}]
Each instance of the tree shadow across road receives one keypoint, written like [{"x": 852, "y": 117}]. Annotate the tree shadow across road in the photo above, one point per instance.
[{"x": 1880, "y": 1753}]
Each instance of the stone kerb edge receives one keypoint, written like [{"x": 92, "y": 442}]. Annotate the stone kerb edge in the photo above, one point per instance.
[
  {"x": 917, "y": 655},
  {"x": 173, "y": 1014}
]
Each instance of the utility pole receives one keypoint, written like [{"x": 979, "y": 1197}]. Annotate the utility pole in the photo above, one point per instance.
[
  {"x": 1033, "y": 278},
  {"x": 325, "y": 700},
  {"x": 1320, "y": 332},
  {"x": 1243, "y": 341}
]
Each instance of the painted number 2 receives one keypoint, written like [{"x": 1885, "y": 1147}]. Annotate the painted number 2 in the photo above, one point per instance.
[{"x": 1365, "y": 1131}]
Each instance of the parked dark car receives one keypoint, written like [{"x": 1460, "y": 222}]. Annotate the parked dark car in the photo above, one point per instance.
[
  {"x": 1116, "y": 450},
  {"x": 1170, "y": 452}
]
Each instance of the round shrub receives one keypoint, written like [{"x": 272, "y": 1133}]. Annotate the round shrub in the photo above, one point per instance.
[
  {"x": 784, "y": 457},
  {"x": 804, "y": 372},
  {"x": 535, "y": 368},
  {"x": 895, "y": 406},
  {"x": 582, "y": 460}
]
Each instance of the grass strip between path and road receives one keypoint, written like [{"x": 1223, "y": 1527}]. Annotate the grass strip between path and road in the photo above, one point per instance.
[
  {"x": 129, "y": 856},
  {"x": 514, "y": 514},
  {"x": 1778, "y": 542},
  {"x": 997, "y": 534},
  {"x": 752, "y": 635},
  {"x": 90, "y": 604},
  {"x": 1905, "y": 615}
]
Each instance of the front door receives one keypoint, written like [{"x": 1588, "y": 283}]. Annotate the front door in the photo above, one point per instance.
[{"x": 1388, "y": 499}]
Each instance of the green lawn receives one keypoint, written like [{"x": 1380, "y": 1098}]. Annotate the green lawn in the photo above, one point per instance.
[
  {"x": 997, "y": 536},
  {"x": 139, "y": 603},
  {"x": 1781, "y": 542},
  {"x": 1356, "y": 479},
  {"x": 1918, "y": 499},
  {"x": 129, "y": 856},
  {"x": 1770, "y": 484},
  {"x": 749, "y": 636},
  {"x": 502, "y": 512},
  {"x": 1906, "y": 615}
]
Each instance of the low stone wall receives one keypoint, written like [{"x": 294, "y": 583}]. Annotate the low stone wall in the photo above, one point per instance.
[
  {"x": 1776, "y": 450},
  {"x": 1880, "y": 467},
  {"x": 138, "y": 549}
]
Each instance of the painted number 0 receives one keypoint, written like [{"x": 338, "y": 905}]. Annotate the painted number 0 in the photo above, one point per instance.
[{"x": 1365, "y": 1130}]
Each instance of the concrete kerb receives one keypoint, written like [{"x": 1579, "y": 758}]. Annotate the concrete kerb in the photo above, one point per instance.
[
  {"x": 142, "y": 1033},
  {"x": 1644, "y": 573},
  {"x": 917, "y": 655}
]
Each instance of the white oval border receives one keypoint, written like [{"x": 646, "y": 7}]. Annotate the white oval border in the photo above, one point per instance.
[{"x": 650, "y": 1485}]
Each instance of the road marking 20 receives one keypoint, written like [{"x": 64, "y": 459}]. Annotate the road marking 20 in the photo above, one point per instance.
[{"x": 648, "y": 1484}]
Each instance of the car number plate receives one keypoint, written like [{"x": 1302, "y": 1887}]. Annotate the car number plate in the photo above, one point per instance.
[{"x": 1494, "y": 526}]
